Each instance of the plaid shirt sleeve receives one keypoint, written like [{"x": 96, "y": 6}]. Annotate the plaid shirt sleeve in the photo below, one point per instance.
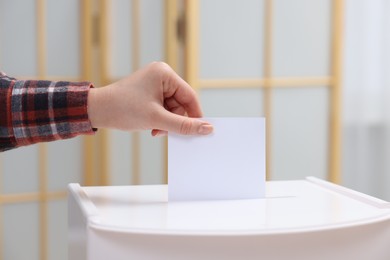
[{"x": 35, "y": 111}]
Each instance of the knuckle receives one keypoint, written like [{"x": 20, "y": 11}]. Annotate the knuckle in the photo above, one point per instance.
[
  {"x": 186, "y": 126},
  {"x": 154, "y": 117},
  {"x": 159, "y": 66}
]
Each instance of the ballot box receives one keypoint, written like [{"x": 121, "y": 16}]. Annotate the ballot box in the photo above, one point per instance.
[{"x": 303, "y": 219}]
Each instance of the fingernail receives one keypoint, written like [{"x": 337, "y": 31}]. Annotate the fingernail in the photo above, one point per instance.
[
  {"x": 159, "y": 133},
  {"x": 205, "y": 129}
]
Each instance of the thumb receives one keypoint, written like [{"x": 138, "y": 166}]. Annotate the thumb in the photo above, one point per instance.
[{"x": 184, "y": 125}]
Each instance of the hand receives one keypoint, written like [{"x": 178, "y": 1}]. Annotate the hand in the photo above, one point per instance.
[{"x": 154, "y": 97}]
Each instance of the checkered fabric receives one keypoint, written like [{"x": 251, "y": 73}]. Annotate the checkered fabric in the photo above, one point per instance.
[{"x": 35, "y": 111}]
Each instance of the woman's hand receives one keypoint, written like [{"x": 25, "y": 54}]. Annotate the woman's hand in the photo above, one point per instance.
[{"x": 154, "y": 97}]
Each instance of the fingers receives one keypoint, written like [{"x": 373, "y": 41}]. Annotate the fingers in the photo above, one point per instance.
[
  {"x": 186, "y": 96},
  {"x": 172, "y": 105},
  {"x": 171, "y": 122},
  {"x": 179, "y": 90},
  {"x": 178, "y": 99},
  {"x": 158, "y": 133}
]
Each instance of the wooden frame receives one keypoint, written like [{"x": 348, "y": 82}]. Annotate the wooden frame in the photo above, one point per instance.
[
  {"x": 104, "y": 7},
  {"x": 42, "y": 149},
  {"x": 105, "y": 78},
  {"x": 268, "y": 82},
  {"x": 335, "y": 93},
  {"x": 43, "y": 196},
  {"x": 135, "y": 60},
  {"x": 171, "y": 57},
  {"x": 263, "y": 83},
  {"x": 86, "y": 41},
  {"x": 333, "y": 82}
]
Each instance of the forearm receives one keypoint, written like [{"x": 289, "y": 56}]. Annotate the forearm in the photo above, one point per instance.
[{"x": 41, "y": 111}]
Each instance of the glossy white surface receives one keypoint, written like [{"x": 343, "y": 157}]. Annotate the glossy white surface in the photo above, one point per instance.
[
  {"x": 309, "y": 219},
  {"x": 288, "y": 206}
]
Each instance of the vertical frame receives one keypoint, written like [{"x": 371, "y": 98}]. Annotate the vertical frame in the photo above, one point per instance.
[
  {"x": 171, "y": 57},
  {"x": 86, "y": 75},
  {"x": 268, "y": 82},
  {"x": 43, "y": 211},
  {"x": 135, "y": 60},
  {"x": 191, "y": 53},
  {"x": 103, "y": 137},
  {"x": 105, "y": 78},
  {"x": 335, "y": 93}
]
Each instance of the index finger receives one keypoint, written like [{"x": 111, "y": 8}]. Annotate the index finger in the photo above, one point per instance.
[{"x": 175, "y": 87}]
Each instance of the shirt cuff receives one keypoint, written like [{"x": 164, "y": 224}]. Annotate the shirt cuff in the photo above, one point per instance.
[{"x": 44, "y": 111}]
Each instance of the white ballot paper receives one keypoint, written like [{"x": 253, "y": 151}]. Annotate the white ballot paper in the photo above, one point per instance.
[{"x": 228, "y": 164}]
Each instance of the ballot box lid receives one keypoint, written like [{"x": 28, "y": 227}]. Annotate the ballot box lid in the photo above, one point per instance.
[{"x": 289, "y": 206}]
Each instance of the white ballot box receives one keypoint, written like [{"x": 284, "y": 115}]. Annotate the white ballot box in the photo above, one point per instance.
[{"x": 304, "y": 219}]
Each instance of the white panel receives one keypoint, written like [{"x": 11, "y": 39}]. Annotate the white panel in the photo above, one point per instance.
[
  {"x": 365, "y": 113},
  {"x": 366, "y": 60},
  {"x": 63, "y": 43},
  {"x": 57, "y": 230},
  {"x": 231, "y": 38},
  {"x": 152, "y": 164},
  {"x": 299, "y": 133},
  {"x": 363, "y": 169},
  {"x": 232, "y": 102},
  {"x": 120, "y": 158},
  {"x": 120, "y": 38},
  {"x": 20, "y": 231},
  {"x": 18, "y": 37},
  {"x": 21, "y": 170},
  {"x": 152, "y": 31},
  {"x": 65, "y": 163},
  {"x": 301, "y": 37}
]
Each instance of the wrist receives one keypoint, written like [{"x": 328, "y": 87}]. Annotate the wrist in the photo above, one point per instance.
[{"x": 96, "y": 107}]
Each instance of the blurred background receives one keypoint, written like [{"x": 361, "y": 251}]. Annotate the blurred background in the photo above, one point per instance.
[{"x": 319, "y": 71}]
